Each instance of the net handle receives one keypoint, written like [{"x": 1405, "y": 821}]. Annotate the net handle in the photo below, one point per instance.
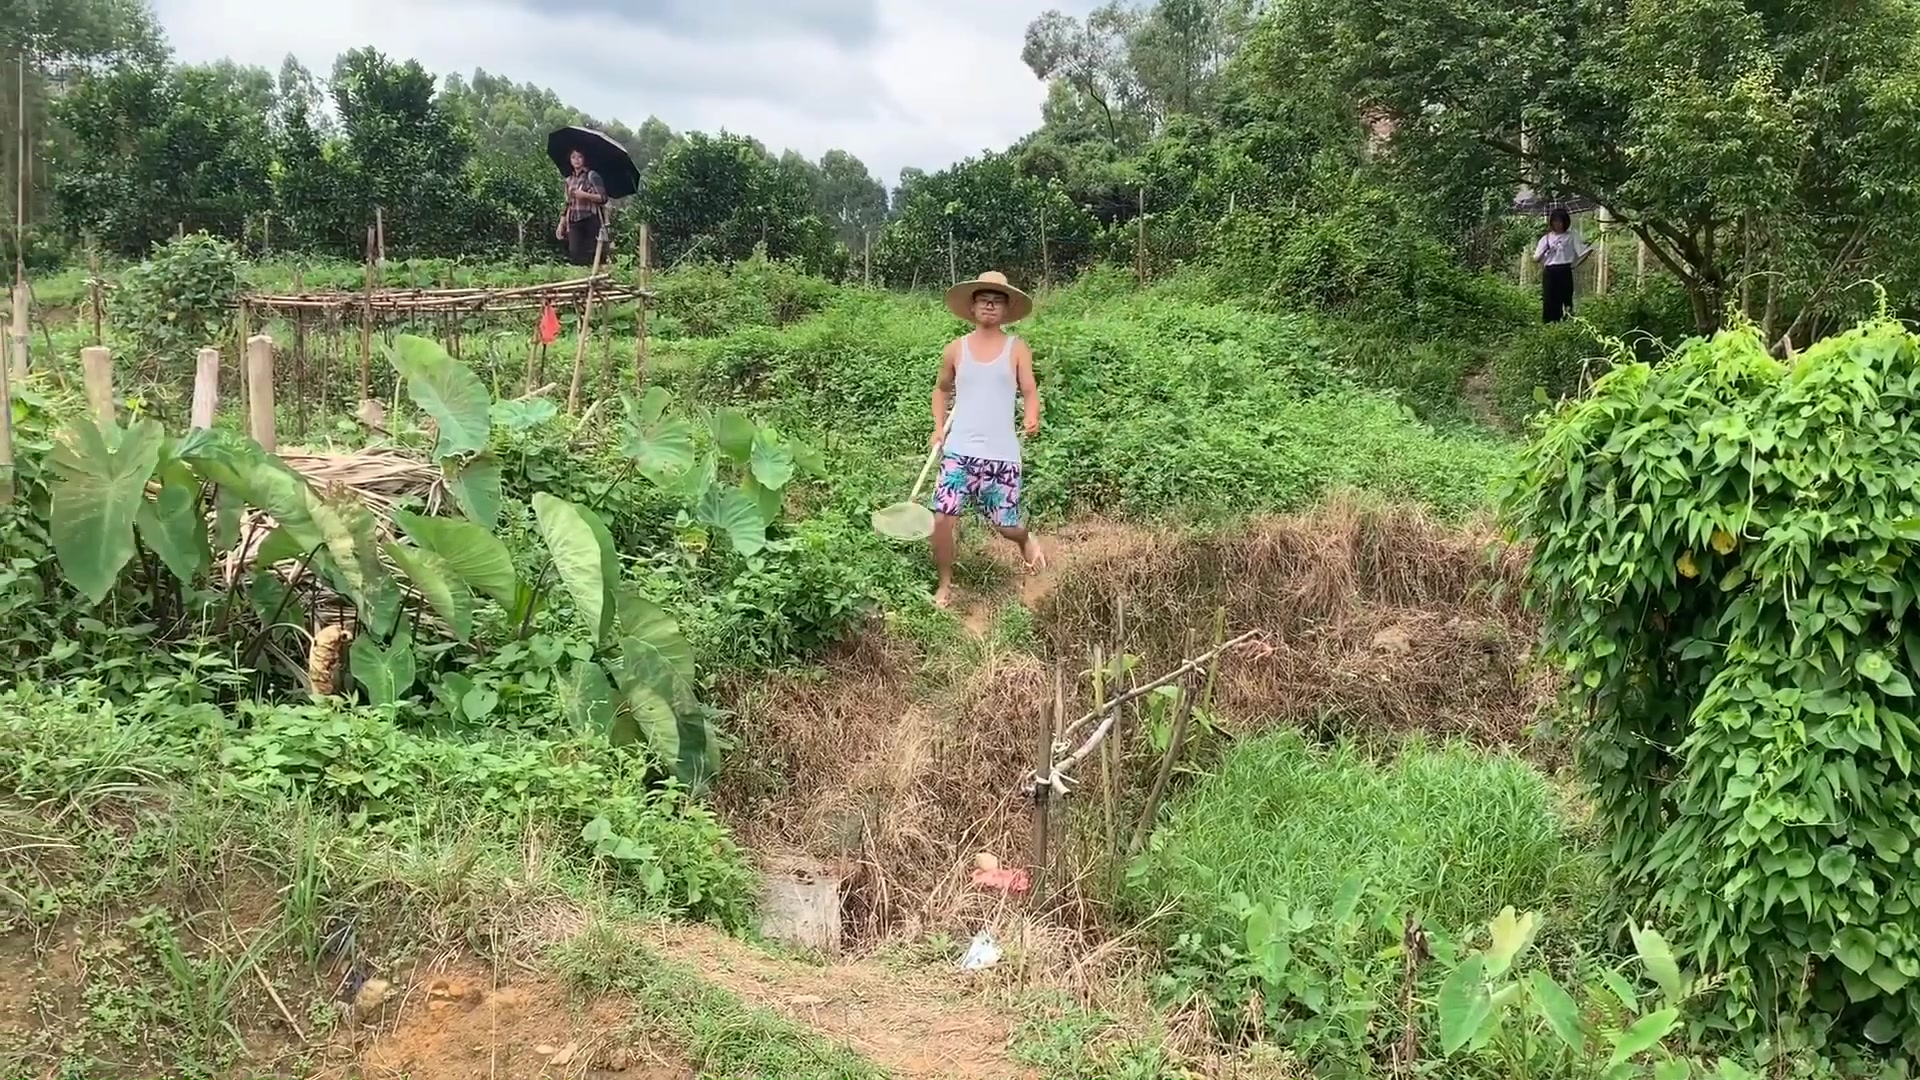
[{"x": 933, "y": 455}]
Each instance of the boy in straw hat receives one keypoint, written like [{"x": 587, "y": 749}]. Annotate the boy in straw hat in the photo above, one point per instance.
[{"x": 981, "y": 373}]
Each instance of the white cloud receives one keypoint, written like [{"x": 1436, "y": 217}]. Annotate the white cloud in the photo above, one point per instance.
[{"x": 895, "y": 82}]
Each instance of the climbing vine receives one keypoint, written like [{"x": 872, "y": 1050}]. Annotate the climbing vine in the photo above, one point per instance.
[{"x": 1726, "y": 551}]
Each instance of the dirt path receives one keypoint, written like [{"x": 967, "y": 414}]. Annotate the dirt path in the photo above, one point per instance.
[
  {"x": 1074, "y": 544},
  {"x": 916, "y": 1026}
]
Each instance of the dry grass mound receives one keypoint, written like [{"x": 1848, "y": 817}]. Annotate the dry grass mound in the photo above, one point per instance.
[
  {"x": 1376, "y": 619},
  {"x": 896, "y": 790}
]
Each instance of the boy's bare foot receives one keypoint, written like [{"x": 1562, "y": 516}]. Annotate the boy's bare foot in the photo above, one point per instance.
[
  {"x": 943, "y": 596},
  {"x": 1035, "y": 558}
]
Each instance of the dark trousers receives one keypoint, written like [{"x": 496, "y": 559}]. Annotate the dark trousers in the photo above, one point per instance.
[
  {"x": 1556, "y": 292},
  {"x": 582, "y": 235}
]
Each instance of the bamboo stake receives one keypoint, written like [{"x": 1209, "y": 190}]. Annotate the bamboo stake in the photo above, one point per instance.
[
  {"x": 96, "y": 364},
  {"x": 1106, "y": 725},
  {"x": 260, "y": 419},
  {"x": 299, "y": 364},
  {"x": 1106, "y": 749},
  {"x": 580, "y": 343},
  {"x": 93, "y": 289},
  {"x": 20, "y": 183},
  {"x": 366, "y": 326},
  {"x": 380, "y": 237},
  {"x": 1176, "y": 742},
  {"x": 206, "y": 388},
  {"x": 1051, "y": 713},
  {"x": 1140, "y": 241},
  {"x": 640, "y": 313},
  {"x": 19, "y": 330},
  {"x": 6, "y": 424}
]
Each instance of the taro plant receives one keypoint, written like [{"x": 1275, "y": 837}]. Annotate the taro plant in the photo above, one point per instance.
[{"x": 632, "y": 678}]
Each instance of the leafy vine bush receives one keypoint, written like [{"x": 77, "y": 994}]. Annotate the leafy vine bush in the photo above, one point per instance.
[
  {"x": 1553, "y": 361},
  {"x": 181, "y": 298},
  {"x": 1724, "y": 554}
]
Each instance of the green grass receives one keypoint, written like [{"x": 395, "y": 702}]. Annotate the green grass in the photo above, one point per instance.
[
  {"x": 1449, "y": 833},
  {"x": 726, "y": 1038}
]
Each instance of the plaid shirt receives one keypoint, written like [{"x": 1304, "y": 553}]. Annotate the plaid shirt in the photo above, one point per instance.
[{"x": 579, "y": 209}]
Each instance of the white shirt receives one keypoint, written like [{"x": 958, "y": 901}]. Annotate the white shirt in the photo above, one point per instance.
[{"x": 1560, "y": 249}]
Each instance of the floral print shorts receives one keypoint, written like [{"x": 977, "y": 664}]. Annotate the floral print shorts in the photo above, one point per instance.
[{"x": 991, "y": 486}]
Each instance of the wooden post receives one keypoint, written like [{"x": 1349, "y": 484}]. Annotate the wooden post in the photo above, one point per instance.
[
  {"x": 299, "y": 359},
  {"x": 1603, "y": 269},
  {"x": 20, "y": 329},
  {"x": 953, "y": 263},
  {"x": 206, "y": 389},
  {"x": 1640, "y": 265},
  {"x": 260, "y": 419},
  {"x": 94, "y": 290},
  {"x": 266, "y": 231},
  {"x": 6, "y": 436},
  {"x": 380, "y": 237},
  {"x": 520, "y": 227},
  {"x": 586, "y": 317},
  {"x": 640, "y": 316},
  {"x": 96, "y": 363},
  {"x": 366, "y": 325}
]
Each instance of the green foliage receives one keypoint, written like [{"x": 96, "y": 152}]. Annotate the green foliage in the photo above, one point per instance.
[
  {"x": 1720, "y": 549},
  {"x": 709, "y": 301},
  {"x": 722, "y": 196},
  {"x": 982, "y": 214},
  {"x": 1155, "y": 404},
  {"x": 1553, "y": 361},
  {"x": 1741, "y": 139},
  {"x": 181, "y": 299},
  {"x": 1441, "y": 835}
]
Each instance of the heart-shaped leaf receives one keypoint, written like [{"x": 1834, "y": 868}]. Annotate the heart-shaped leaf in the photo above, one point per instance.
[
  {"x": 474, "y": 555},
  {"x": 476, "y": 487},
  {"x": 733, "y": 434},
  {"x": 173, "y": 526},
  {"x": 583, "y": 556},
  {"x": 101, "y": 485},
  {"x": 387, "y": 673},
  {"x": 732, "y": 512},
  {"x": 443, "y": 590},
  {"x": 448, "y": 391},
  {"x": 772, "y": 462}
]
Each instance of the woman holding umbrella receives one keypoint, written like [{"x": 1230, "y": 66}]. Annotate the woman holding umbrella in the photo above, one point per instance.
[
  {"x": 580, "y": 224},
  {"x": 598, "y": 170}
]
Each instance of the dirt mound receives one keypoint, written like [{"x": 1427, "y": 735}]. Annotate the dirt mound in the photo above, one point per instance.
[
  {"x": 1375, "y": 619},
  {"x": 459, "y": 1024},
  {"x": 896, "y": 789},
  {"x": 913, "y": 1024}
]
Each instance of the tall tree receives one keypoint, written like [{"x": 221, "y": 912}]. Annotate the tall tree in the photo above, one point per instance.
[
  {"x": 851, "y": 200},
  {"x": 1739, "y": 139},
  {"x": 405, "y": 148},
  {"x": 719, "y": 196}
]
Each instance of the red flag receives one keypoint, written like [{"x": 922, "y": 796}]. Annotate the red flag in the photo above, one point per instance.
[{"x": 549, "y": 326}]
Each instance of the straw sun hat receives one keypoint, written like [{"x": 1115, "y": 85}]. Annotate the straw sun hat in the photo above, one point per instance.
[{"x": 960, "y": 297}]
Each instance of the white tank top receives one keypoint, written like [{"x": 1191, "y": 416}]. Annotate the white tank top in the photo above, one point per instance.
[{"x": 984, "y": 393}]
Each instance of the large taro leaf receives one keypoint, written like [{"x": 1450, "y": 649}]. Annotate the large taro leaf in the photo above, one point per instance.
[
  {"x": 735, "y": 513},
  {"x": 476, "y": 488},
  {"x": 349, "y": 538},
  {"x": 769, "y": 501},
  {"x": 472, "y": 553},
  {"x": 100, "y": 487},
  {"x": 173, "y": 526},
  {"x": 733, "y": 434},
  {"x": 387, "y": 674},
  {"x": 648, "y": 633},
  {"x": 661, "y": 445},
  {"x": 242, "y": 470},
  {"x": 275, "y": 601},
  {"x": 444, "y": 591},
  {"x": 449, "y": 392},
  {"x": 771, "y": 461},
  {"x": 583, "y": 556},
  {"x": 699, "y": 758},
  {"x": 586, "y": 698},
  {"x": 643, "y": 716}
]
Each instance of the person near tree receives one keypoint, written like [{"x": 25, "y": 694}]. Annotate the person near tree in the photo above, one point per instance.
[
  {"x": 982, "y": 374},
  {"x": 1560, "y": 250},
  {"x": 585, "y": 215}
]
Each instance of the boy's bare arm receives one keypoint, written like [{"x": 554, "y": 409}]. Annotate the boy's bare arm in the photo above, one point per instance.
[
  {"x": 1029, "y": 386},
  {"x": 943, "y": 392}
]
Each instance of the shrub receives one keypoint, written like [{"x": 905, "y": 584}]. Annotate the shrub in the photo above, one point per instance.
[
  {"x": 1724, "y": 552},
  {"x": 181, "y": 299},
  {"x": 1559, "y": 360}
]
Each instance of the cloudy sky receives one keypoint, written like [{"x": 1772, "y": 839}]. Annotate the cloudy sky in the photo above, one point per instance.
[{"x": 896, "y": 82}]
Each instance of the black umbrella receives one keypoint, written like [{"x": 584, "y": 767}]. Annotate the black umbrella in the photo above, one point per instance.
[{"x": 604, "y": 156}]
